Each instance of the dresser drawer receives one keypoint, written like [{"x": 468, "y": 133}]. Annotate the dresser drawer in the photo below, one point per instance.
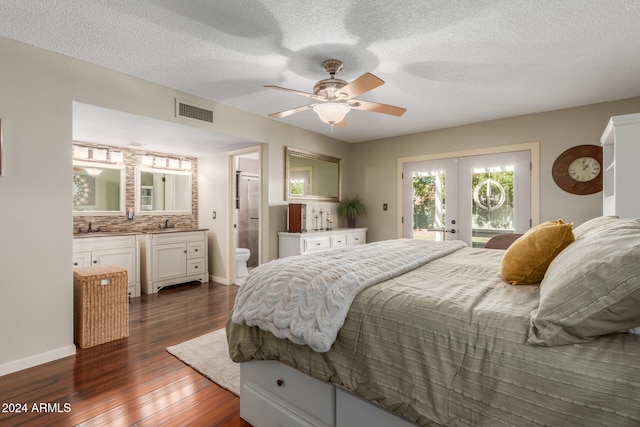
[
  {"x": 311, "y": 395},
  {"x": 338, "y": 241},
  {"x": 312, "y": 244},
  {"x": 357, "y": 238}
]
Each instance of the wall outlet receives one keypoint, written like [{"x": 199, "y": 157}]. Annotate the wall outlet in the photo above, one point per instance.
[
  {"x": 384, "y": 207},
  {"x": 214, "y": 215}
]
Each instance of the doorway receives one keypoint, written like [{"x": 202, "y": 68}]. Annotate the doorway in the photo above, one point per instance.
[
  {"x": 469, "y": 198},
  {"x": 246, "y": 215}
]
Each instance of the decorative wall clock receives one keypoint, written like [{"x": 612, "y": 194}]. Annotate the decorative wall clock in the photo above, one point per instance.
[{"x": 578, "y": 170}]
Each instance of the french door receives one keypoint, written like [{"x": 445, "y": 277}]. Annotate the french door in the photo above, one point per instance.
[{"x": 467, "y": 198}]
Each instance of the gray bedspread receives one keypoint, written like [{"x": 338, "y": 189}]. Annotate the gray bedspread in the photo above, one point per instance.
[{"x": 445, "y": 344}]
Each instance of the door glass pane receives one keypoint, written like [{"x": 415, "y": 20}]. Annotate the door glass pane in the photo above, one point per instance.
[
  {"x": 492, "y": 204},
  {"x": 429, "y": 205}
]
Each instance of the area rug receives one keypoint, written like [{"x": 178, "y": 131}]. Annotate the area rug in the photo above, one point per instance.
[{"x": 209, "y": 355}]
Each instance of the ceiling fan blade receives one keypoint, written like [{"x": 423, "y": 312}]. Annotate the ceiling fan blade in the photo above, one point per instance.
[
  {"x": 286, "y": 113},
  {"x": 297, "y": 92},
  {"x": 342, "y": 124},
  {"x": 377, "y": 107},
  {"x": 362, "y": 84}
]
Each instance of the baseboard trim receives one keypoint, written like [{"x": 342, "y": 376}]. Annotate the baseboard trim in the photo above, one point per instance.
[
  {"x": 222, "y": 280},
  {"x": 37, "y": 359}
]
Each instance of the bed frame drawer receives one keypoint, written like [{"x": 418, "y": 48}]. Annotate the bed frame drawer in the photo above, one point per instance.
[
  {"x": 289, "y": 390},
  {"x": 261, "y": 411}
]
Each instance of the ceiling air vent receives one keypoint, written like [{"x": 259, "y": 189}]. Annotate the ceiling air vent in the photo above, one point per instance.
[{"x": 193, "y": 112}]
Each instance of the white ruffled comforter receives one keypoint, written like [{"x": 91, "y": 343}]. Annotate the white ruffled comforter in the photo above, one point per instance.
[{"x": 305, "y": 298}]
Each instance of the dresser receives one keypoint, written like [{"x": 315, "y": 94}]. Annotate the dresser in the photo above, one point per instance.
[
  {"x": 620, "y": 154},
  {"x": 171, "y": 257},
  {"x": 290, "y": 244}
]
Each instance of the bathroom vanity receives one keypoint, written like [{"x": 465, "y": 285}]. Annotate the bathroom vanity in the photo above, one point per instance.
[
  {"x": 101, "y": 249},
  {"x": 290, "y": 244},
  {"x": 173, "y": 256}
]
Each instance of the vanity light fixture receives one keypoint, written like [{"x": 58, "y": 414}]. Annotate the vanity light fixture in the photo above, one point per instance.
[
  {"x": 99, "y": 154},
  {"x": 80, "y": 152},
  {"x": 116, "y": 156},
  {"x": 174, "y": 163},
  {"x": 186, "y": 164},
  {"x": 147, "y": 160},
  {"x": 160, "y": 162}
]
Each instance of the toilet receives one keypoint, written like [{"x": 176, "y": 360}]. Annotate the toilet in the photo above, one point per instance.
[{"x": 242, "y": 256}]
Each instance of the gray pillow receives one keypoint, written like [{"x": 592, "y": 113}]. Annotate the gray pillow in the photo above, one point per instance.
[
  {"x": 591, "y": 288},
  {"x": 591, "y": 225}
]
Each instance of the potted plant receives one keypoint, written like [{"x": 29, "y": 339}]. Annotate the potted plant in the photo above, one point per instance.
[{"x": 351, "y": 208}]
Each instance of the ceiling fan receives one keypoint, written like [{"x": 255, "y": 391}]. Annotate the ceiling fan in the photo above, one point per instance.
[{"x": 336, "y": 97}]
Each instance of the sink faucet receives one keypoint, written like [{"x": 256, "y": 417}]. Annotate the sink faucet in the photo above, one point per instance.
[
  {"x": 166, "y": 224},
  {"x": 89, "y": 229}
]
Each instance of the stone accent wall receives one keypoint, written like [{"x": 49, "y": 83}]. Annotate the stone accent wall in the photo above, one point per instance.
[{"x": 120, "y": 223}]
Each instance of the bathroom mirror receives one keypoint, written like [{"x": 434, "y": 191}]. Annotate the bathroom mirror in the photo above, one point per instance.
[
  {"x": 311, "y": 176},
  {"x": 160, "y": 192},
  {"x": 98, "y": 188}
]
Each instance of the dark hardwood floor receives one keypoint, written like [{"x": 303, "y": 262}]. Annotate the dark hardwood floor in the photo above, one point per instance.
[{"x": 132, "y": 381}]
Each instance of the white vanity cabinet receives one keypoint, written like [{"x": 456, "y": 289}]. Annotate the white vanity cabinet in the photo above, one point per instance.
[
  {"x": 620, "y": 153},
  {"x": 290, "y": 244},
  {"x": 173, "y": 257},
  {"x": 121, "y": 250}
]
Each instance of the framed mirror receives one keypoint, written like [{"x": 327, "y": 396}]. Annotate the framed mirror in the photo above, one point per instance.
[
  {"x": 311, "y": 176},
  {"x": 162, "y": 191},
  {"x": 98, "y": 188}
]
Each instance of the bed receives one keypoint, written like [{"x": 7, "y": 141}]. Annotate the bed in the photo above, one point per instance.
[{"x": 448, "y": 341}]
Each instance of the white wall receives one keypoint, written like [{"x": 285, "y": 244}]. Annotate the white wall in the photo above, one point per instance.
[
  {"x": 36, "y": 93},
  {"x": 374, "y": 174}
]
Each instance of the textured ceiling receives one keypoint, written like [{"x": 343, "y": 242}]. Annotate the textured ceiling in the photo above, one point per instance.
[{"x": 448, "y": 62}]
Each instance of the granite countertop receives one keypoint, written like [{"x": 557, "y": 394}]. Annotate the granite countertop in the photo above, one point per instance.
[
  {"x": 172, "y": 230},
  {"x": 127, "y": 233},
  {"x": 104, "y": 234}
]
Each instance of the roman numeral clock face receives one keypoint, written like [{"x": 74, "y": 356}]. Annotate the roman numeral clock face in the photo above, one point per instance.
[
  {"x": 578, "y": 170},
  {"x": 584, "y": 169}
]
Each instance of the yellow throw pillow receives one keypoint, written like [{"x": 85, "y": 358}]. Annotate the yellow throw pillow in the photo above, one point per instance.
[{"x": 527, "y": 259}]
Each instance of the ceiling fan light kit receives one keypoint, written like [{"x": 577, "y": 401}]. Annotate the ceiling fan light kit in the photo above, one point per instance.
[
  {"x": 335, "y": 97},
  {"x": 331, "y": 112}
]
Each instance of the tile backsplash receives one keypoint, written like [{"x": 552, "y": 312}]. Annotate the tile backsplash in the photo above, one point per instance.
[{"x": 142, "y": 222}]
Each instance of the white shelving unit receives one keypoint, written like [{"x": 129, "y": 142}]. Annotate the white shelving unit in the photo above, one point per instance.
[{"x": 620, "y": 157}]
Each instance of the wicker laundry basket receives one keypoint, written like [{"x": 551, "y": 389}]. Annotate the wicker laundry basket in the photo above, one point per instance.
[{"x": 100, "y": 305}]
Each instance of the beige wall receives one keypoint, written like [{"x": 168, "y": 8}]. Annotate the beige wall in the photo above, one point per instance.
[
  {"x": 37, "y": 89},
  {"x": 374, "y": 174}
]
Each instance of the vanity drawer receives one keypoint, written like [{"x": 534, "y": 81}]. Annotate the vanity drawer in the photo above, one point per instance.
[
  {"x": 312, "y": 244},
  {"x": 195, "y": 266},
  {"x": 338, "y": 241},
  {"x": 303, "y": 392},
  {"x": 195, "y": 249}
]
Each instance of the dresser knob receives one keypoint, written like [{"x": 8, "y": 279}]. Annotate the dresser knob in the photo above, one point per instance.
[{"x": 280, "y": 382}]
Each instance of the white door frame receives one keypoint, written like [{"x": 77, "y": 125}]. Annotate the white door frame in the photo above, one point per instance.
[
  {"x": 231, "y": 268},
  {"x": 533, "y": 147}
]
